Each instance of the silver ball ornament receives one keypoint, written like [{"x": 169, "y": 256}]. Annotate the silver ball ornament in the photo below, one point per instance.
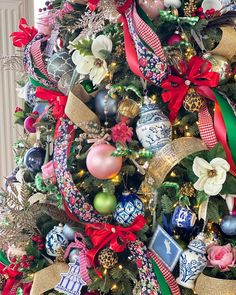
[
  {"x": 105, "y": 105},
  {"x": 69, "y": 232},
  {"x": 74, "y": 255}
]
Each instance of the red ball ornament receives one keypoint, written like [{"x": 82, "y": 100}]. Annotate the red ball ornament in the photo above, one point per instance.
[
  {"x": 174, "y": 39},
  {"x": 151, "y": 8},
  {"x": 101, "y": 164},
  {"x": 29, "y": 125}
]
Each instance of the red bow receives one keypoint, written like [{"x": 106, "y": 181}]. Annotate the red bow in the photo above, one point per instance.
[
  {"x": 197, "y": 74},
  {"x": 12, "y": 277},
  {"x": 21, "y": 39},
  {"x": 117, "y": 237},
  {"x": 56, "y": 99}
]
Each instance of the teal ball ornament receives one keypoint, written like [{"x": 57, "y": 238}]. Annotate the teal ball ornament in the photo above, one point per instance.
[
  {"x": 228, "y": 225},
  {"x": 128, "y": 208},
  {"x": 106, "y": 106},
  {"x": 105, "y": 203}
]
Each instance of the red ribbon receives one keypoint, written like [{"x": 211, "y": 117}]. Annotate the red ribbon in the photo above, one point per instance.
[
  {"x": 21, "y": 39},
  {"x": 197, "y": 74},
  {"x": 12, "y": 275},
  {"x": 116, "y": 237}
]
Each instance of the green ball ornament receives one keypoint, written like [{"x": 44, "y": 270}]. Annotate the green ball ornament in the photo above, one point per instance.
[{"x": 105, "y": 203}]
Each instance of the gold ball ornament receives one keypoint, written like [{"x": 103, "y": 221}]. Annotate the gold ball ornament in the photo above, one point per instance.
[
  {"x": 107, "y": 258},
  {"x": 128, "y": 108},
  {"x": 192, "y": 101},
  {"x": 220, "y": 65}
]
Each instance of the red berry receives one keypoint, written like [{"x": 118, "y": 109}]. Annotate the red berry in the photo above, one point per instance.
[
  {"x": 200, "y": 9},
  {"x": 13, "y": 260},
  {"x": 17, "y": 265},
  {"x": 18, "y": 109},
  {"x": 24, "y": 265},
  {"x": 44, "y": 9},
  {"x": 202, "y": 16},
  {"x": 50, "y": 6},
  {"x": 31, "y": 258},
  {"x": 40, "y": 10},
  {"x": 11, "y": 265},
  {"x": 47, "y": 3},
  {"x": 39, "y": 240},
  {"x": 193, "y": 14},
  {"x": 24, "y": 257}
]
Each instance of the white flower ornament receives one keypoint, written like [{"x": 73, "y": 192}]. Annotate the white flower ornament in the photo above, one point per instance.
[
  {"x": 94, "y": 65},
  {"x": 211, "y": 176}
]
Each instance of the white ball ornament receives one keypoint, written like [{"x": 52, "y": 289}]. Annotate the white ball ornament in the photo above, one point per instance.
[{"x": 172, "y": 3}]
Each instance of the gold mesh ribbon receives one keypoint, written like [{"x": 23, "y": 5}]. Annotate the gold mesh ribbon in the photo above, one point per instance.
[
  {"x": 76, "y": 109},
  {"x": 227, "y": 45},
  {"x": 170, "y": 155},
  {"x": 47, "y": 278},
  {"x": 213, "y": 286}
]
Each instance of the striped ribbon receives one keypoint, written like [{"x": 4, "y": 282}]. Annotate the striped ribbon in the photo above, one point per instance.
[
  {"x": 83, "y": 261},
  {"x": 170, "y": 279},
  {"x": 206, "y": 127}
]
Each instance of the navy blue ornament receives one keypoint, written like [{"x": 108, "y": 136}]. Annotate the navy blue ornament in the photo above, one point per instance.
[
  {"x": 55, "y": 240},
  {"x": 34, "y": 159},
  {"x": 228, "y": 225},
  {"x": 128, "y": 208},
  {"x": 105, "y": 105}
]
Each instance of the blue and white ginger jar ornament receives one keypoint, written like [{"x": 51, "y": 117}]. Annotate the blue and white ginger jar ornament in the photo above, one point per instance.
[
  {"x": 55, "y": 240},
  {"x": 128, "y": 208},
  {"x": 192, "y": 262},
  {"x": 153, "y": 128}
]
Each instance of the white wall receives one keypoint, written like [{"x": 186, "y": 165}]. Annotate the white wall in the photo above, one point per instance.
[{"x": 10, "y": 13}]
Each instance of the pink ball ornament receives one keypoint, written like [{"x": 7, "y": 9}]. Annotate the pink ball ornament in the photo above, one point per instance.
[
  {"x": 175, "y": 38},
  {"x": 152, "y": 7},
  {"x": 29, "y": 125},
  {"x": 101, "y": 164}
]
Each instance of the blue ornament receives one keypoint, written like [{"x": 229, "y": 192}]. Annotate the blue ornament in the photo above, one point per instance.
[
  {"x": 34, "y": 159},
  {"x": 69, "y": 232},
  {"x": 104, "y": 102},
  {"x": 183, "y": 217},
  {"x": 153, "y": 128},
  {"x": 228, "y": 225},
  {"x": 128, "y": 208},
  {"x": 55, "y": 240}
]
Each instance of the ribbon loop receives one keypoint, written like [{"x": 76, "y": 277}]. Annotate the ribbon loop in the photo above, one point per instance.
[{"x": 21, "y": 39}]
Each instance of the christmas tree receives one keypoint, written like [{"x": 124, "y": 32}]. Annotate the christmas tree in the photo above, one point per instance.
[{"x": 125, "y": 179}]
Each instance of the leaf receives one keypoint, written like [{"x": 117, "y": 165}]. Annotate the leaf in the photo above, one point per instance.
[
  {"x": 229, "y": 185},
  {"x": 216, "y": 152},
  {"x": 201, "y": 197},
  {"x": 233, "y": 270},
  {"x": 167, "y": 204},
  {"x": 184, "y": 201},
  {"x": 19, "y": 114},
  {"x": 84, "y": 47}
]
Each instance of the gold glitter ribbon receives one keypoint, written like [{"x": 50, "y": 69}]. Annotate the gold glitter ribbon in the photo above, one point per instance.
[
  {"x": 76, "y": 109},
  {"x": 213, "y": 286},
  {"x": 170, "y": 155},
  {"x": 47, "y": 278},
  {"x": 227, "y": 45}
]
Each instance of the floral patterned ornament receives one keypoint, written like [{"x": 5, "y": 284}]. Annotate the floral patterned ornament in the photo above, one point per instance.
[{"x": 211, "y": 176}]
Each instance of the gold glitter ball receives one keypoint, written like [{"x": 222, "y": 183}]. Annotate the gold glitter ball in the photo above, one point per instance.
[{"x": 187, "y": 189}]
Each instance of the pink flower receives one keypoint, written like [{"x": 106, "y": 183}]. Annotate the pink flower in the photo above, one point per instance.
[
  {"x": 121, "y": 132},
  {"x": 48, "y": 172},
  {"x": 222, "y": 256}
]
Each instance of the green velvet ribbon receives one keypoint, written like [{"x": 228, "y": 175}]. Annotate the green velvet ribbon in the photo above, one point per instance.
[
  {"x": 230, "y": 122},
  {"x": 165, "y": 290},
  {"x": 3, "y": 258}
]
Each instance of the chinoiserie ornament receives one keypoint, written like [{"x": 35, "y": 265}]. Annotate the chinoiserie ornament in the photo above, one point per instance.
[
  {"x": 34, "y": 159},
  {"x": 105, "y": 202},
  {"x": 107, "y": 258},
  {"x": 151, "y": 7},
  {"x": 192, "y": 262},
  {"x": 100, "y": 162},
  {"x": 128, "y": 208},
  {"x": 183, "y": 217},
  {"x": 55, "y": 239},
  {"x": 153, "y": 128}
]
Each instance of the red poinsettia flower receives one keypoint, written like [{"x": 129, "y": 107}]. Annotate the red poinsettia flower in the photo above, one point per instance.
[{"x": 121, "y": 132}]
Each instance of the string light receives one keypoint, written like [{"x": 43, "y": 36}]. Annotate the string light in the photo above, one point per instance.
[
  {"x": 173, "y": 174},
  {"x": 116, "y": 180},
  {"x": 120, "y": 266},
  {"x": 81, "y": 173},
  {"x": 114, "y": 287},
  {"x": 105, "y": 272}
]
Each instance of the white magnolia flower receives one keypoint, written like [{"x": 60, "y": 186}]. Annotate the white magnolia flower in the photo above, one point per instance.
[
  {"x": 211, "y": 175},
  {"x": 94, "y": 65},
  {"x": 172, "y": 3}
]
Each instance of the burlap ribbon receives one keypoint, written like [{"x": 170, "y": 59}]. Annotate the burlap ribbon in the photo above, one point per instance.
[
  {"x": 169, "y": 156},
  {"x": 47, "y": 278},
  {"x": 227, "y": 45},
  {"x": 76, "y": 109}
]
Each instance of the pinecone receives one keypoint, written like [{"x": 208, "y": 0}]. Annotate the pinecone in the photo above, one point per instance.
[
  {"x": 187, "y": 189},
  {"x": 107, "y": 258},
  {"x": 193, "y": 101},
  {"x": 120, "y": 50}
]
